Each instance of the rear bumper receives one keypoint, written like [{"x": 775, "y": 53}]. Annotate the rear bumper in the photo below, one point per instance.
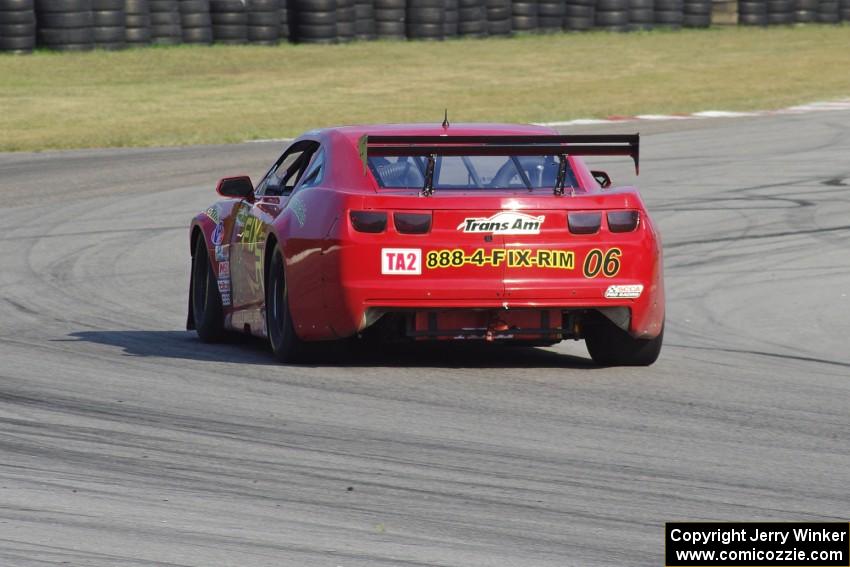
[{"x": 360, "y": 304}]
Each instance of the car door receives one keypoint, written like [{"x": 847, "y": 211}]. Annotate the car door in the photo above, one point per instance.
[{"x": 251, "y": 228}]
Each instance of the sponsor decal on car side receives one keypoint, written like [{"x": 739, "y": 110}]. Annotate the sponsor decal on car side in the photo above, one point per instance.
[
  {"x": 504, "y": 222},
  {"x": 401, "y": 261},
  {"x": 222, "y": 252},
  {"x": 218, "y": 234},
  {"x": 624, "y": 291},
  {"x": 252, "y": 230},
  {"x": 225, "y": 299},
  {"x": 223, "y": 286},
  {"x": 223, "y": 270},
  {"x": 212, "y": 213},
  {"x": 241, "y": 216},
  {"x": 299, "y": 209}
]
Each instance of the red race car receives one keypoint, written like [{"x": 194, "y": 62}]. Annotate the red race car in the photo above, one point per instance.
[{"x": 428, "y": 232}]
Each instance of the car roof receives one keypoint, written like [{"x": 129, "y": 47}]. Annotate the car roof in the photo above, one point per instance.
[{"x": 353, "y": 133}]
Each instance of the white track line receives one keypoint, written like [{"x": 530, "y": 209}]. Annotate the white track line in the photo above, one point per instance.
[{"x": 799, "y": 109}]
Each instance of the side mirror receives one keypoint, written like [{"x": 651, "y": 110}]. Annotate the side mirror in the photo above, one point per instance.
[
  {"x": 602, "y": 178},
  {"x": 239, "y": 187}
]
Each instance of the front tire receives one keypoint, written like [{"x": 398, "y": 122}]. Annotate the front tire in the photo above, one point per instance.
[
  {"x": 285, "y": 344},
  {"x": 609, "y": 345},
  {"x": 206, "y": 301}
]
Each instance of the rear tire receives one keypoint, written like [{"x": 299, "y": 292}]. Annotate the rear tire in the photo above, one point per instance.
[
  {"x": 285, "y": 344},
  {"x": 609, "y": 345},
  {"x": 206, "y": 301}
]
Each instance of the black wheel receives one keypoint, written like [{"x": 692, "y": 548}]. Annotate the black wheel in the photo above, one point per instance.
[
  {"x": 609, "y": 345},
  {"x": 206, "y": 300},
  {"x": 286, "y": 345}
]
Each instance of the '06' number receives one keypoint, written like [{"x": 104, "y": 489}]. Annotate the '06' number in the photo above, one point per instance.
[{"x": 608, "y": 263}]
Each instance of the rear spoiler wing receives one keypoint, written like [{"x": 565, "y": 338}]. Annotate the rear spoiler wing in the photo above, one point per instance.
[{"x": 532, "y": 145}]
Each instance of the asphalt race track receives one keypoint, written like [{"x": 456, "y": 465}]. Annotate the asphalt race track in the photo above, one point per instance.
[{"x": 126, "y": 442}]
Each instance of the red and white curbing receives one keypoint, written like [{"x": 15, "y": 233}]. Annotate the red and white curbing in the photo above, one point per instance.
[{"x": 799, "y": 109}]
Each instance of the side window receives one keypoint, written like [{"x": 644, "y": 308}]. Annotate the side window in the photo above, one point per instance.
[
  {"x": 314, "y": 174},
  {"x": 283, "y": 177}
]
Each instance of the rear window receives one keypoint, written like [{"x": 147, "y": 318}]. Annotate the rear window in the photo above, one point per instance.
[{"x": 470, "y": 172}]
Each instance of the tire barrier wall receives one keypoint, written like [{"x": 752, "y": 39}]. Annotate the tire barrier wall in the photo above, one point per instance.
[
  {"x": 612, "y": 15},
  {"x": 390, "y": 19},
  {"x": 524, "y": 15},
  {"x": 17, "y": 26},
  {"x": 78, "y": 25},
  {"x": 165, "y": 22},
  {"x": 138, "y": 18},
  {"x": 64, "y": 25},
  {"x": 641, "y": 14},
  {"x": 499, "y": 17},
  {"x": 109, "y": 24},
  {"x": 263, "y": 21},
  {"x": 195, "y": 21},
  {"x": 697, "y": 13}
]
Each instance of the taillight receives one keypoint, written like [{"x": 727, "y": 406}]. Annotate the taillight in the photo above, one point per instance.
[
  {"x": 369, "y": 221},
  {"x": 623, "y": 221},
  {"x": 412, "y": 223},
  {"x": 584, "y": 223}
]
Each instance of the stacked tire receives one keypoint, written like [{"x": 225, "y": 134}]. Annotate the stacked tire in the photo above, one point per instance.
[
  {"x": 669, "y": 13},
  {"x": 752, "y": 12},
  {"x": 472, "y": 18},
  {"x": 612, "y": 15},
  {"x": 828, "y": 12},
  {"x": 17, "y": 26},
  {"x": 109, "y": 22},
  {"x": 344, "y": 21},
  {"x": 364, "y": 19},
  {"x": 697, "y": 13},
  {"x": 66, "y": 25},
  {"x": 844, "y": 9},
  {"x": 263, "y": 21},
  {"x": 641, "y": 14},
  {"x": 805, "y": 11},
  {"x": 780, "y": 12},
  {"x": 229, "y": 21},
  {"x": 499, "y": 17},
  {"x": 389, "y": 19},
  {"x": 524, "y": 15},
  {"x": 315, "y": 21},
  {"x": 195, "y": 21},
  {"x": 451, "y": 18},
  {"x": 165, "y": 22},
  {"x": 138, "y": 19},
  {"x": 425, "y": 19},
  {"x": 580, "y": 15},
  {"x": 550, "y": 15}
]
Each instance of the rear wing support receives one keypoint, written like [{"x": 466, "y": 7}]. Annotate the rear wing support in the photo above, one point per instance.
[{"x": 531, "y": 145}]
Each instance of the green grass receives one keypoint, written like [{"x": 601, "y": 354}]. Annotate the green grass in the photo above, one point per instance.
[{"x": 192, "y": 95}]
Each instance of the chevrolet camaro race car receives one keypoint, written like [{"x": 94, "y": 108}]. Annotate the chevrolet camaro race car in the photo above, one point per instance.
[{"x": 428, "y": 232}]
